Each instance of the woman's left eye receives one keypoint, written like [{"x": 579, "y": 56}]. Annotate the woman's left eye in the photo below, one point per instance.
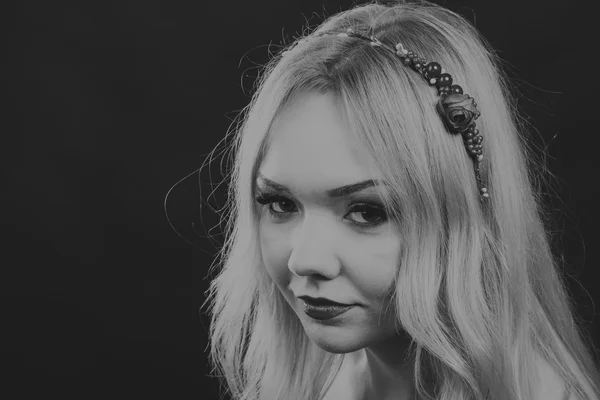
[
  {"x": 372, "y": 215},
  {"x": 280, "y": 207}
]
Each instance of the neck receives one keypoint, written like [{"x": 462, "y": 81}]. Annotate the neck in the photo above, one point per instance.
[{"x": 386, "y": 374}]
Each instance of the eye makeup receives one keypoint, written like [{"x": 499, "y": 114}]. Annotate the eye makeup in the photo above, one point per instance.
[{"x": 281, "y": 207}]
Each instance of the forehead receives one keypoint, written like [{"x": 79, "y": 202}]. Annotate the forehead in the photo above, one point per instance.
[{"x": 311, "y": 145}]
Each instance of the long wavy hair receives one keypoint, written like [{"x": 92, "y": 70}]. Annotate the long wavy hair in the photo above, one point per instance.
[{"x": 477, "y": 288}]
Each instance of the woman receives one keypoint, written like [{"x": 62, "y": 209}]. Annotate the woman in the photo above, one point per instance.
[{"x": 384, "y": 239}]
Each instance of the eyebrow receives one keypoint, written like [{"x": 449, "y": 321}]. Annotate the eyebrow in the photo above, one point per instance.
[{"x": 341, "y": 191}]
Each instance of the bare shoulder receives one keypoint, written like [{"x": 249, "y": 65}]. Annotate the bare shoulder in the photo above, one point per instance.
[{"x": 550, "y": 385}]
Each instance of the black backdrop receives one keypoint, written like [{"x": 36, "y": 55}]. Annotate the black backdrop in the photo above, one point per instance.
[{"x": 110, "y": 104}]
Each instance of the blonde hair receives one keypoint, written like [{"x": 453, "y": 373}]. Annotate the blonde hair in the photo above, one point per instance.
[{"x": 477, "y": 289}]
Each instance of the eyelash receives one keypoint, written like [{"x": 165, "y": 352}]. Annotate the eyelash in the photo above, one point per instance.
[{"x": 269, "y": 199}]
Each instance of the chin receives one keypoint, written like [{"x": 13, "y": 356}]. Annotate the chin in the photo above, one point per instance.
[
  {"x": 337, "y": 340},
  {"x": 336, "y": 346}
]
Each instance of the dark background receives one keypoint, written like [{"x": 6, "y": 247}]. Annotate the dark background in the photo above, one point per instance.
[{"x": 110, "y": 104}]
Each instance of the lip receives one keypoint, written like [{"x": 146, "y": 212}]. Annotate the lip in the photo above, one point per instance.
[
  {"x": 321, "y": 301},
  {"x": 324, "y": 312}
]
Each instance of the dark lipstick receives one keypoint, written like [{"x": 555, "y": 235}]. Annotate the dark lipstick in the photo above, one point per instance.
[{"x": 322, "y": 309}]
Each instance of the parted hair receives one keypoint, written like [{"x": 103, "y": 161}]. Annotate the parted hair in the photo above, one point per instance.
[{"x": 478, "y": 288}]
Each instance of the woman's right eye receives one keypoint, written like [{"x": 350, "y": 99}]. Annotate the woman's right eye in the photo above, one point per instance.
[{"x": 282, "y": 202}]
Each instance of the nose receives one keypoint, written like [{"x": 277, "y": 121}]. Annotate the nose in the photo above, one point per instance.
[{"x": 313, "y": 251}]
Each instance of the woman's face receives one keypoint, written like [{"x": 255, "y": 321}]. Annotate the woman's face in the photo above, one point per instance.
[{"x": 315, "y": 243}]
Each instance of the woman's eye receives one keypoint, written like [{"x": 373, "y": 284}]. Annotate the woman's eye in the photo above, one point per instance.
[
  {"x": 278, "y": 207},
  {"x": 370, "y": 215},
  {"x": 282, "y": 206},
  {"x": 363, "y": 215}
]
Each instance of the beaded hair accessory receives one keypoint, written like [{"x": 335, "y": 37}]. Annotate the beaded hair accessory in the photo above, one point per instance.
[{"x": 457, "y": 110}]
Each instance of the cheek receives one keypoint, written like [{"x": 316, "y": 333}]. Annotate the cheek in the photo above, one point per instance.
[
  {"x": 377, "y": 263},
  {"x": 273, "y": 245}
]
